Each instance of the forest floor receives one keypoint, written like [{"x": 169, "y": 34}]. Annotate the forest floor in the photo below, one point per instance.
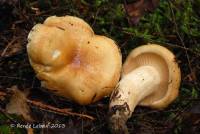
[{"x": 173, "y": 24}]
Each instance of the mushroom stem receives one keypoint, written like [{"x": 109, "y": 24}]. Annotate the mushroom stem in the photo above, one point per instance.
[{"x": 132, "y": 89}]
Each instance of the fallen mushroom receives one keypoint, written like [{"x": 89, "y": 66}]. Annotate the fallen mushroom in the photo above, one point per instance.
[
  {"x": 72, "y": 61},
  {"x": 151, "y": 77}
]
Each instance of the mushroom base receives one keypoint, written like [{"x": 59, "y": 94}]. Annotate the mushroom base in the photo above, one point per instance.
[
  {"x": 131, "y": 90},
  {"x": 117, "y": 122}
]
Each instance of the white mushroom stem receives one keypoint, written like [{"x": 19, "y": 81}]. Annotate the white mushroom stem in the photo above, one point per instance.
[{"x": 132, "y": 88}]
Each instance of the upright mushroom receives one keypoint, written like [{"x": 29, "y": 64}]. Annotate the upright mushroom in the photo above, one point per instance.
[
  {"x": 72, "y": 61},
  {"x": 151, "y": 77}
]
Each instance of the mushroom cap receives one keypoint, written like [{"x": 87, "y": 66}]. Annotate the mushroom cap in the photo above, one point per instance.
[
  {"x": 165, "y": 62},
  {"x": 72, "y": 61},
  {"x": 80, "y": 30}
]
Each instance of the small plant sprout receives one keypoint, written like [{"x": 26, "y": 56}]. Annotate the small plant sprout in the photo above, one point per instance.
[
  {"x": 72, "y": 61},
  {"x": 151, "y": 77}
]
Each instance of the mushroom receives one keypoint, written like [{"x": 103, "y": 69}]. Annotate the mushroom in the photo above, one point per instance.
[
  {"x": 72, "y": 61},
  {"x": 151, "y": 77}
]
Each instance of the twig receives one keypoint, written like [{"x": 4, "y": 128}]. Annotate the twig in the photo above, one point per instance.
[
  {"x": 96, "y": 14},
  {"x": 33, "y": 3},
  {"x": 50, "y": 108},
  {"x": 6, "y": 48},
  {"x": 168, "y": 44},
  {"x": 63, "y": 111},
  {"x": 177, "y": 46},
  {"x": 179, "y": 36},
  {"x": 2, "y": 94},
  {"x": 179, "y": 113},
  {"x": 123, "y": 44},
  {"x": 13, "y": 77},
  {"x": 47, "y": 11},
  {"x": 155, "y": 111},
  {"x": 155, "y": 41}
]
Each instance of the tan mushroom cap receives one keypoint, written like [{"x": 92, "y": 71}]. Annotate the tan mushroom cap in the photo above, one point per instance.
[
  {"x": 76, "y": 26},
  {"x": 72, "y": 61},
  {"x": 165, "y": 62}
]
